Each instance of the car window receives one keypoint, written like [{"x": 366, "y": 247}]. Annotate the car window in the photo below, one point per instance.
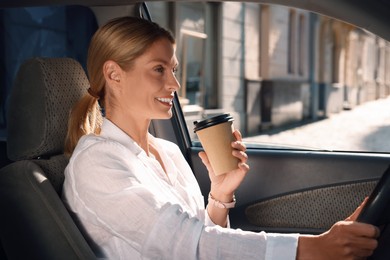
[
  {"x": 55, "y": 31},
  {"x": 291, "y": 79}
]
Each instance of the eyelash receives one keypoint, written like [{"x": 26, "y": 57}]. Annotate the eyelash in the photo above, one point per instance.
[{"x": 161, "y": 69}]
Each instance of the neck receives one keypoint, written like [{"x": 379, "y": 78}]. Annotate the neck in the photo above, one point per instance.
[{"x": 136, "y": 128}]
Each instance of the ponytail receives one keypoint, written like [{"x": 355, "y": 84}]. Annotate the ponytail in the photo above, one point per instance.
[{"x": 85, "y": 118}]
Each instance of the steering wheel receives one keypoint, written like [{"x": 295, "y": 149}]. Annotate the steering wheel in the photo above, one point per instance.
[{"x": 377, "y": 212}]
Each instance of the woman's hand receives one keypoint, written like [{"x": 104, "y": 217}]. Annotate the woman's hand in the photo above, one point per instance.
[
  {"x": 344, "y": 240},
  {"x": 223, "y": 186}
]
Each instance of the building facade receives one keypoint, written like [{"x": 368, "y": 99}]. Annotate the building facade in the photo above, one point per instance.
[{"x": 271, "y": 66}]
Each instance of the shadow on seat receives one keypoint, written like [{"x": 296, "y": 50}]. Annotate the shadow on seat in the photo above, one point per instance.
[{"x": 34, "y": 223}]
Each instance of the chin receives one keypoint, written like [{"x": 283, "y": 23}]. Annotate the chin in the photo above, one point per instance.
[{"x": 167, "y": 115}]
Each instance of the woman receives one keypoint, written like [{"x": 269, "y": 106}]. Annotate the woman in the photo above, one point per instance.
[{"x": 135, "y": 195}]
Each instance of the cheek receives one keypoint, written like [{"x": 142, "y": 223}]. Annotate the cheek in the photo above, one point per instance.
[
  {"x": 137, "y": 95},
  {"x": 143, "y": 87},
  {"x": 156, "y": 83}
]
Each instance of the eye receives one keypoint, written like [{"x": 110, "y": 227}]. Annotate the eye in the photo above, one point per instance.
[
  {"x": 175, "y": 70},
  {"x": 159, "y": 69}
]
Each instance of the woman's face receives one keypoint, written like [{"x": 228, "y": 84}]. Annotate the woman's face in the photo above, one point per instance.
[{"x": 147, "y": 89}]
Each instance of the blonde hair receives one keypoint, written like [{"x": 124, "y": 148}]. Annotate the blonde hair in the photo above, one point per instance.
[{"x": 121, "y": 40}]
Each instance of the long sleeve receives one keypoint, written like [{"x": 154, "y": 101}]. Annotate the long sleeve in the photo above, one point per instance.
[{"x": 131, "y": 212}]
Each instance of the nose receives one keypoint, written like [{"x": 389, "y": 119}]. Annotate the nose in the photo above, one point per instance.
[{"x": 173, "y": 84}]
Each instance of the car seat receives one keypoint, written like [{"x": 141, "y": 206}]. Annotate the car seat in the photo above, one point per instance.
[{"x": 34, "y": 223}]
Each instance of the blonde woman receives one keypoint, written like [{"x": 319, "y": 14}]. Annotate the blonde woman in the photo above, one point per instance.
[{"x": 135, "y": 195}]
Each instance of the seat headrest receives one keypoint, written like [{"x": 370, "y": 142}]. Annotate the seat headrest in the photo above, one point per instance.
[{"x": 44, "y": 91}]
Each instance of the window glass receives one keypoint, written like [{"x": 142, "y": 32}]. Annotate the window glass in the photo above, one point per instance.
[
  {"x": 291, "y": 79},
  {"x": 41, "y": 32},
  {"x": 198, "y": 53}
]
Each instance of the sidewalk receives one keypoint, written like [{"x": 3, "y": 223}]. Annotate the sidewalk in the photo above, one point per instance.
[{"x": 364, "y": 128}]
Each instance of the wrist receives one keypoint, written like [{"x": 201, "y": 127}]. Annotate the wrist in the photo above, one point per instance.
[
  {"x": 220, "y": 195},
  {"x": 307, "y": 247},
  {"x": 226, "y": 198},
  {"x": 222, "y": 204}
]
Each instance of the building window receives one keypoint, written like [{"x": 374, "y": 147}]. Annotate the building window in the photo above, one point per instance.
[
  {"x": 264, "y": 40},
  {"x": 291, "y": 42},
  {"x": 196, "y": 34},
  {"x": 301, "y": 45}
]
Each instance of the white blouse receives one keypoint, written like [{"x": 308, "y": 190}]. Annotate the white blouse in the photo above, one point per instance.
[{"x": 129, "y": 208}]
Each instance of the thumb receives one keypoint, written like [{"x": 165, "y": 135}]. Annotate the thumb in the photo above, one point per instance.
[
  {"x": 205, "y": 160},
  {"x": 357, "y": 211}
]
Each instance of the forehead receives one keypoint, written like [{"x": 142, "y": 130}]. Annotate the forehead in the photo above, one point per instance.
[{"x": 161, "y": 50}]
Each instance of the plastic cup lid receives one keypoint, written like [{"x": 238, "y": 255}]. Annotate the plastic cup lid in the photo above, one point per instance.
[{"x": 199, "y": 125}]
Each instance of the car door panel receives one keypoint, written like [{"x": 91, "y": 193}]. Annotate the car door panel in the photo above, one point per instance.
[{"x": 299, "y": 191}]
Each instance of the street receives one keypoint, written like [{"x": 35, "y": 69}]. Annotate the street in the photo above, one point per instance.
[{"x": 364, "y": 128}]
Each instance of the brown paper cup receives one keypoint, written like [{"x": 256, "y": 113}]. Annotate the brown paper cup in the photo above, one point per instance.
[{"x": 216, "y": 136}]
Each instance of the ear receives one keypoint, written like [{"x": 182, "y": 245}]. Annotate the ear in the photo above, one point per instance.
[{"x": 112, "y": 72}]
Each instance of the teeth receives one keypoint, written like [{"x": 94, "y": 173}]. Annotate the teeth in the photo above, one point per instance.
[{"x": 165, "y": 100}]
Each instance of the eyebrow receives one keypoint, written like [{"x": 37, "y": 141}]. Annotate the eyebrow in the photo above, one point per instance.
[{"x": 165, "y": 62}]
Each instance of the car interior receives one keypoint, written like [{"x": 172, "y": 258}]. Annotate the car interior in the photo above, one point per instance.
[
  {"x": 43, "y": 93},
  {"x": 291, "y": 190}
]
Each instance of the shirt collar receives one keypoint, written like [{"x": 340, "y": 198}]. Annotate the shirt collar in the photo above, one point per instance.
[{"x": 112, "y": 132}]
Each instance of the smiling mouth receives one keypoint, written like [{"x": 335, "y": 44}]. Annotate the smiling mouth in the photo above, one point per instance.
[{"x": 165, "y": 101}]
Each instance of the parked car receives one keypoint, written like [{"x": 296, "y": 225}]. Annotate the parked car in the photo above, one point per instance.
[{"x": 289, "y": 188}]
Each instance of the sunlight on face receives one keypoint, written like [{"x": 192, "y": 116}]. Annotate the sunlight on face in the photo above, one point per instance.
[{"x": 148, "y": 87}]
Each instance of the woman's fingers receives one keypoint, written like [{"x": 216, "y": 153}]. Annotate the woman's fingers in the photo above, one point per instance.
[
  {"x": 243, "y": 166},
  {"x": 239, "y": 149},
  {"x": 237, "y": 135},
  {"x": 242, "y": 156},
  {"x": 238, "y": 145}
]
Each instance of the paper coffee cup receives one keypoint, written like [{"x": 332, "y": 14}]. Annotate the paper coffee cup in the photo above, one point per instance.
[{"x": 216, "y": 136}]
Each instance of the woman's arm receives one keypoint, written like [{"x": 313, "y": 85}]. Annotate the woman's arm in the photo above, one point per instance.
[{"x": 344, "y": 240}]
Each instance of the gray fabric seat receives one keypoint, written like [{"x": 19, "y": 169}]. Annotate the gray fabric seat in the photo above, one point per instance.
[{"x": 34, "y": 223}]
